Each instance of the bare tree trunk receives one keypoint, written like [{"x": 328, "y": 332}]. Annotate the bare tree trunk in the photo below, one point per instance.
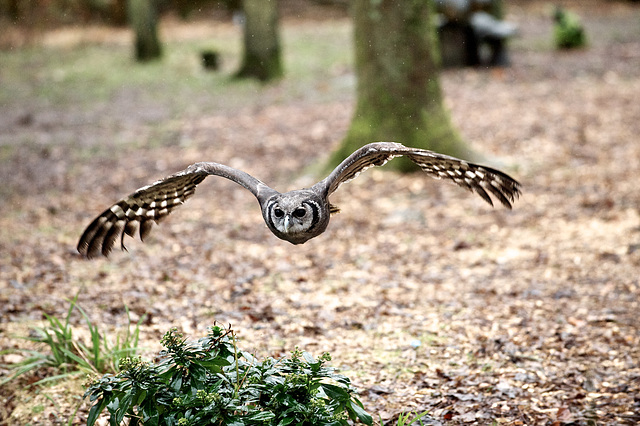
[
  {"x": 261, "y": 41},
  {"x": 399, "y": 95},
  {"x": 118, "y": 12},
  {"x": 143, "y": 18}
]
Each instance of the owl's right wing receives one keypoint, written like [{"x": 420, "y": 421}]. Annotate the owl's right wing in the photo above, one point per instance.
[
  {"x": 153, "y": 202},
  {"x": 476, "y": 178}
]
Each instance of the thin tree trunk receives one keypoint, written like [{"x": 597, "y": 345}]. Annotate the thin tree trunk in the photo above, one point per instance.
[
  {"x": 143, "y": 18},
  {"x": 261, "y": 41},
  {"x": 398, "y": 90}
]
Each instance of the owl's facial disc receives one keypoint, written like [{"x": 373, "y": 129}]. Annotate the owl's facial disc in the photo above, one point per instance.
[
  {"x": 291, "y": 219},
  {"x": 296, "y": 216}
]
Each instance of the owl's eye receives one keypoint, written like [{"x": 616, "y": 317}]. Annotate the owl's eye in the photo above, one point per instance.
[
  {"x": 278, "y": 213},
  {"x": 299, "y": 212}
]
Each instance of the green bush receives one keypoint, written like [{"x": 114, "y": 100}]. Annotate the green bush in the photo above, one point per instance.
[
  {"x": 210, "y": 381},
  {"x": 568, "y": 32}
]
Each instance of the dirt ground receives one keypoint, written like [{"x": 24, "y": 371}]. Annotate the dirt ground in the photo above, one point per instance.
[{"x": 424, "y": 295}]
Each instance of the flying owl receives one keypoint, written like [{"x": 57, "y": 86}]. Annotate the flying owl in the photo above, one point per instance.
[{"x": 295, "y": 216}]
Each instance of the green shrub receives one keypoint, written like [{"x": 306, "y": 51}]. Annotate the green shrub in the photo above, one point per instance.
[
  {"x": 210, "y": 381},
  {"x": 568, "y": 32}
]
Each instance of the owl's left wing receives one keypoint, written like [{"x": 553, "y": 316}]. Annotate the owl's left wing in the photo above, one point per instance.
[
  {"x": 154, "y": 202},
  {"x": 479, "y": 179}
]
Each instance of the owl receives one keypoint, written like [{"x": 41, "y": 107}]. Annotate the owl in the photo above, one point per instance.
[{"x": 295, "y": 216}]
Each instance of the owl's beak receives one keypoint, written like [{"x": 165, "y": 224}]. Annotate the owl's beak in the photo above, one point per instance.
[{"x": 287, "y": 223}]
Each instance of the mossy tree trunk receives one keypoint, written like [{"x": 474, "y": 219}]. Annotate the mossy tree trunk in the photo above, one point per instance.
[
  {"x": 143, "y": 18},
  {"x": 497, "y": 9},
  {"x": 261, "y": 41},
  {"x": 398, "y": 91}
]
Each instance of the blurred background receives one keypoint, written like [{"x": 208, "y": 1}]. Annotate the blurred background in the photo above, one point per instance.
[{"x": 426, "y": 297}]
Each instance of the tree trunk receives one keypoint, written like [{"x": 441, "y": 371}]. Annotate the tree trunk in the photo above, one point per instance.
[
  {"x": 261, "y": 42},
  {"x": 398, "y": 90},
  {"x": 118, "y": 12},
  {"x": 497, "y": 9},
  {"x": 13, "y": 11},
  {"x": 143, "y": 18}
]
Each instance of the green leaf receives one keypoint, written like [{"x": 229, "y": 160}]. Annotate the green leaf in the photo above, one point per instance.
[
  {"x": 140, "y": 397},
  {"x": 95, "y": 411},
  {"x": 335, "y": 392},
  {"x": 286, "y": 421},
  {"x": 309, "y": 358},
  {"x": 261, "y": 416},
  {"x": 356, "y": 408},
  {"x": 176, "y": 382},
  {"x": 216, "y": 362},
  {"x": 151, "y": 420}
]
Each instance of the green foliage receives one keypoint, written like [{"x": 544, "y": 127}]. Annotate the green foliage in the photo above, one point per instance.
[
  {"x": 71, "y": 356},
  {"x": 403, "y": 419},
  {"x": 209, "y": 381},
  {"x": 568, "y": 32}
]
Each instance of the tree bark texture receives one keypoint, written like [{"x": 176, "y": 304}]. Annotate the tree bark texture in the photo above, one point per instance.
[
  {"x": 262, "y": 58},
  {"x": 143, "y": 18},
  {"x": 398, "y": 91}
]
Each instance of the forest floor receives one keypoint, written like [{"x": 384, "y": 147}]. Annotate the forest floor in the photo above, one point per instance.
[{"x": 427, "y": 298}]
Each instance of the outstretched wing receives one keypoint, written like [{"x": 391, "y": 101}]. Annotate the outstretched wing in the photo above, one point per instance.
[
  {"x": 153, "y": 202},
  {"x": 479, "y": 179}
]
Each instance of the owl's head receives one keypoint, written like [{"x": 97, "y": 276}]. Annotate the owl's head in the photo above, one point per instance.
[{"x": 296, "y": 216}]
